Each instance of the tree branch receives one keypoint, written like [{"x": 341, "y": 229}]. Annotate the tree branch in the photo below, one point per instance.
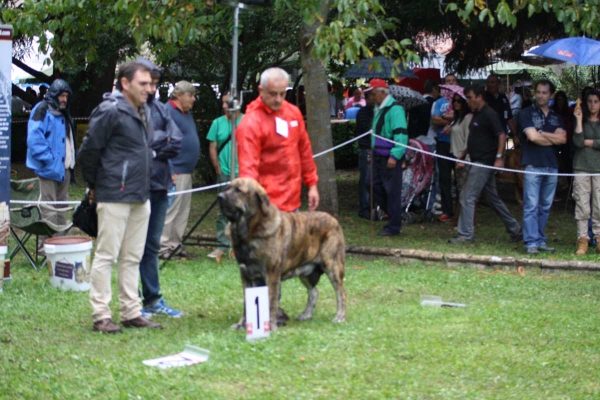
[{"x": 36, "y": 74}]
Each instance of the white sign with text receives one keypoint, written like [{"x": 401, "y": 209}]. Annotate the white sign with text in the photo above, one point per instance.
[{"x": 258, "y": 318}]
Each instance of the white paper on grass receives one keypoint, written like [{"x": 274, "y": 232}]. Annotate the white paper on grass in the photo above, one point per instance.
[
  {"x": 191, "y": 355},
  {"x": 436, "y": 301}
]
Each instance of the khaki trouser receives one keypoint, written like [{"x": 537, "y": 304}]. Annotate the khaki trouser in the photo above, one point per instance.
[
  {"x": 586, "y": 189},
  {"x": 55, "y": 191},
  {"x": 177, "y": 215},
  {"x": 122, "y": 229}
]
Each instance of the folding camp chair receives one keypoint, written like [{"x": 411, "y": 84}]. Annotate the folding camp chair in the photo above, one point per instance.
[{"x": 33, "y": 219}]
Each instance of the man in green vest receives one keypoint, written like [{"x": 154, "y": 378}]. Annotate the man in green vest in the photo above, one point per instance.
[
  {"x": 219, "y": 150},
  {"x": 389, "y": 122}
]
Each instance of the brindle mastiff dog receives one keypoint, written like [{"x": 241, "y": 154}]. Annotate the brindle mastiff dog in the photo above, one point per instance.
[{"x": 271, "y": 246}]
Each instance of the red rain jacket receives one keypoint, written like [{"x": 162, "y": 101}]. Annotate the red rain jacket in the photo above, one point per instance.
[{"x": 280, "y": 164}]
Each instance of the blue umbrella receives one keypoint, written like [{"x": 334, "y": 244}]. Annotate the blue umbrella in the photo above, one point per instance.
[
  {"x": 576, "y": 50},
  {"x": 378, "y": 67}
]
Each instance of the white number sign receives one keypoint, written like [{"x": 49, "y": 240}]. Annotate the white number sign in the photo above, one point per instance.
[{"x": 258, "y": 319}]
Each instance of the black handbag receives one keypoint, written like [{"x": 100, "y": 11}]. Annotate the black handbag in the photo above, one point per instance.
[{"x": 85, "y": 217}]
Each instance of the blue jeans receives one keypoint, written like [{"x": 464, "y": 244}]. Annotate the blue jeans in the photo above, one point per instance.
[
  {"x": 149, "y": 265},
  {"x": 538, "y": 194},
  {"x": 364, "y": 198}
]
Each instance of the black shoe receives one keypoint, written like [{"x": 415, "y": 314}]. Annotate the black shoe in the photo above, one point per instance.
[
  {"x": 546, "y": 248},
  {"x": 532, "y": 251},
  {"x": 461, "y": 239},
  {"x": 516, "y": 238},
  {"x": 385, "y": 233}
]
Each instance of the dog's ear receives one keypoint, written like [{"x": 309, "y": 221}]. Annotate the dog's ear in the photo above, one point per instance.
[{"x": 263, "y": 203}]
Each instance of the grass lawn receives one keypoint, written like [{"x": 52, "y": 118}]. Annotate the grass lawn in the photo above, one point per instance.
[{"x": 521, "y": 337}]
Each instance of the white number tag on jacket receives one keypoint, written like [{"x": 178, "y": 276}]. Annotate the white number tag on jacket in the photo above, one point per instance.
[{"x": 281, "y": 127}]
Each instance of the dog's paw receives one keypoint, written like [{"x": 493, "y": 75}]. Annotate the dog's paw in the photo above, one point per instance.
[
  {"x": 304, "y": 317},
  {"x": 338, "y": 319},
  {"x": 238, "y": 327}
]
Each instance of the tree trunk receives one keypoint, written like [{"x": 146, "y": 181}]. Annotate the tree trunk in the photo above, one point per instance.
[{"x": 317, "y": 114}]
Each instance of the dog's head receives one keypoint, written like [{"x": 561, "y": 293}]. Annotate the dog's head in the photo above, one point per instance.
[{"x": 246, "y": 205}]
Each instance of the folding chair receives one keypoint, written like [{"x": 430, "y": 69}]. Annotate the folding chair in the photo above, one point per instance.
[{"x": 33, "y": 219}]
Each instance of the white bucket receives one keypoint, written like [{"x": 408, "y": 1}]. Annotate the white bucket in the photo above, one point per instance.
[
  {"x": 69, "y": 262},
  {"x": 3, "y": 251}
]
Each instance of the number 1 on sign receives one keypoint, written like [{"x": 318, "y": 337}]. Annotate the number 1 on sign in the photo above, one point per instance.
[{"x": 257, "y": 305}]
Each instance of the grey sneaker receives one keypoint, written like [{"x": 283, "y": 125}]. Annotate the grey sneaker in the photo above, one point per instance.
[{"x": 532, "y": 250}]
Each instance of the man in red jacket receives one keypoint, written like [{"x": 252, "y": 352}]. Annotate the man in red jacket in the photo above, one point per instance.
[{"x": 273, "y": 145}]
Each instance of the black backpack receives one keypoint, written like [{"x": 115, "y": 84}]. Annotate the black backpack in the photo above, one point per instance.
[{"x": 419, "y": 119}]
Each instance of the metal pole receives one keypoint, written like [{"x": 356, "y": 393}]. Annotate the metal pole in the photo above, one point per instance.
[{"x": 233, "y": 104}]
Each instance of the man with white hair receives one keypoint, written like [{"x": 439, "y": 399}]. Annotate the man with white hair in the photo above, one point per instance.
[
  {"x": 179, "y": 106},
  {"x": 274, "y": 148},
  {"x": 273, "y": 145},
  {"x": 389, "y": 122}
]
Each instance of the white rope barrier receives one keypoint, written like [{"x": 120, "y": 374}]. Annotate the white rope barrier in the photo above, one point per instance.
[
  {"x": 453, "y": 159},
  {"x": 370, "y": 132}
]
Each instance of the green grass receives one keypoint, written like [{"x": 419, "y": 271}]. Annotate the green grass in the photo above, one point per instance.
[
  {"x": 531, "y": 337},
  {"x": 521, "y": 337}
]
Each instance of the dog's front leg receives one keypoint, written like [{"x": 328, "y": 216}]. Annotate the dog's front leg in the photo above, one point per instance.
[{"x": 242, "y": 322}]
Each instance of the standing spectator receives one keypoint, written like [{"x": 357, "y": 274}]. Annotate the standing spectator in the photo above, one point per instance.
[
  {"x": 499, "y": 103},
  {"x": 165, "y": 145},
  {"x": 420, "y": 116},
  {"x": 450, "y": 79},
  {"x": 51, "y": 148},
  {"x": 542, "y": 132},
  {"x": 440, "y": 120},
  {"x": 116, "y": 162},
  {"x": 561, "y": 107},
  {"x": 459, "y": 135},
  {"x": 219, "y": 149},
  {"x": 356, "y": 100},
  {"x": 586, "y": 189},
  {"x": 274, "y": 147},
  {"x": 516, "y": 101},
  {"x": 364, "y": 123},
  {"x": 389, "y": 122},
  {"x": 42, "y": 94},
  {"x": 179, "y": 106},
  {"x": 485, "y": 145},
  {"x": 335, "y": 102}
]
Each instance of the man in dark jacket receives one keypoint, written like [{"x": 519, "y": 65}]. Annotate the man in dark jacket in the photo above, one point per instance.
[
  {"x": 364, "y": 123},
  {"x": 166, "y": 145},
  {"x": 51, "y": 147},
  {"x": 116, "y": 161}
]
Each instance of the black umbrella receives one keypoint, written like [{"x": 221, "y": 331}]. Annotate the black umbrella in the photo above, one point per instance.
[{"x": 378, "y": 67}]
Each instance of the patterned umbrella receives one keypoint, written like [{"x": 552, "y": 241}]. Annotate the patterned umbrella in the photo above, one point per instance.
[
  {"x": 378, "y": 67},
  {"x": 407, "y": 97}
]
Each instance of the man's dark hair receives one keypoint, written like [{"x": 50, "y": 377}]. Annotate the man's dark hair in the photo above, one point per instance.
[
  {"x": 128, "y": 71},
  {"x": 430, "y": 84},
  {"x": 476, "y": 89},
  {"x": 548, "y": 83}
]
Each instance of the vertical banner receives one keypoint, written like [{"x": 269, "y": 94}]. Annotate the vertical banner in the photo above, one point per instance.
[{"x": 6, "y": 33}]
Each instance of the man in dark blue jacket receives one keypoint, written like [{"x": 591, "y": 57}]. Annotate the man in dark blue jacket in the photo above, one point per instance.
[
  {"x": 116, "y": 161},
  {"x": 165, "y": 146},
  {"x": 51, "y": 147}
]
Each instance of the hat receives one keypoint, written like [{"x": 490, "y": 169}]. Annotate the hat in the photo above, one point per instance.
[{"x": 377, "y": 84}]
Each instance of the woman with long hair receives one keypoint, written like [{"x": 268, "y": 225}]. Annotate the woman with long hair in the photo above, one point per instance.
[
  {"x": 586, "y": 189},
  {"x": 459, "y": 133}
]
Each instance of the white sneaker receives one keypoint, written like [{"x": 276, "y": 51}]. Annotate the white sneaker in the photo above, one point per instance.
[{"x": 216, "y": 253}]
